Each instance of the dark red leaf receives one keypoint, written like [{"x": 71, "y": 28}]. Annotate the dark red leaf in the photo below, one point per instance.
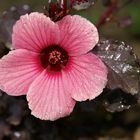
[
  {"x": 122, "y": 63},
  {"x": 82, "y": 4}
]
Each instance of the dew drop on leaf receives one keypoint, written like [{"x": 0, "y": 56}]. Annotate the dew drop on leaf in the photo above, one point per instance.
[
  {"x": 123, "y": 87},
  {"x": 123, "y": 65}
]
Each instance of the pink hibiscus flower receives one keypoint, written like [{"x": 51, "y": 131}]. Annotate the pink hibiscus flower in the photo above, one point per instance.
[{"x": 52, "y": 65}]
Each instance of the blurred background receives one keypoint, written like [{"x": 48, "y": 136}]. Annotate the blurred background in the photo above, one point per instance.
[{"x": 89, "y": 121}]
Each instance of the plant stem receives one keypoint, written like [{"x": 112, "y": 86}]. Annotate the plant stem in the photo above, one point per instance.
[{"x": 107, "y": 14}]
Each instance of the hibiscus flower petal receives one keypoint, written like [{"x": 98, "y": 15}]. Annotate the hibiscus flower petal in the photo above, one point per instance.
[
  {"x": 18, "y": 69},
  {"x": 34, "y": 32},
  {"x": 47, "y": 98},
  {"x": 78, "y": 35},
  {"x": 85, "y": 77}
]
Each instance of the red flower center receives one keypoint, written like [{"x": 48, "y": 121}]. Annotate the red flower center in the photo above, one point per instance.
[{"x": 54, "y": 58}]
